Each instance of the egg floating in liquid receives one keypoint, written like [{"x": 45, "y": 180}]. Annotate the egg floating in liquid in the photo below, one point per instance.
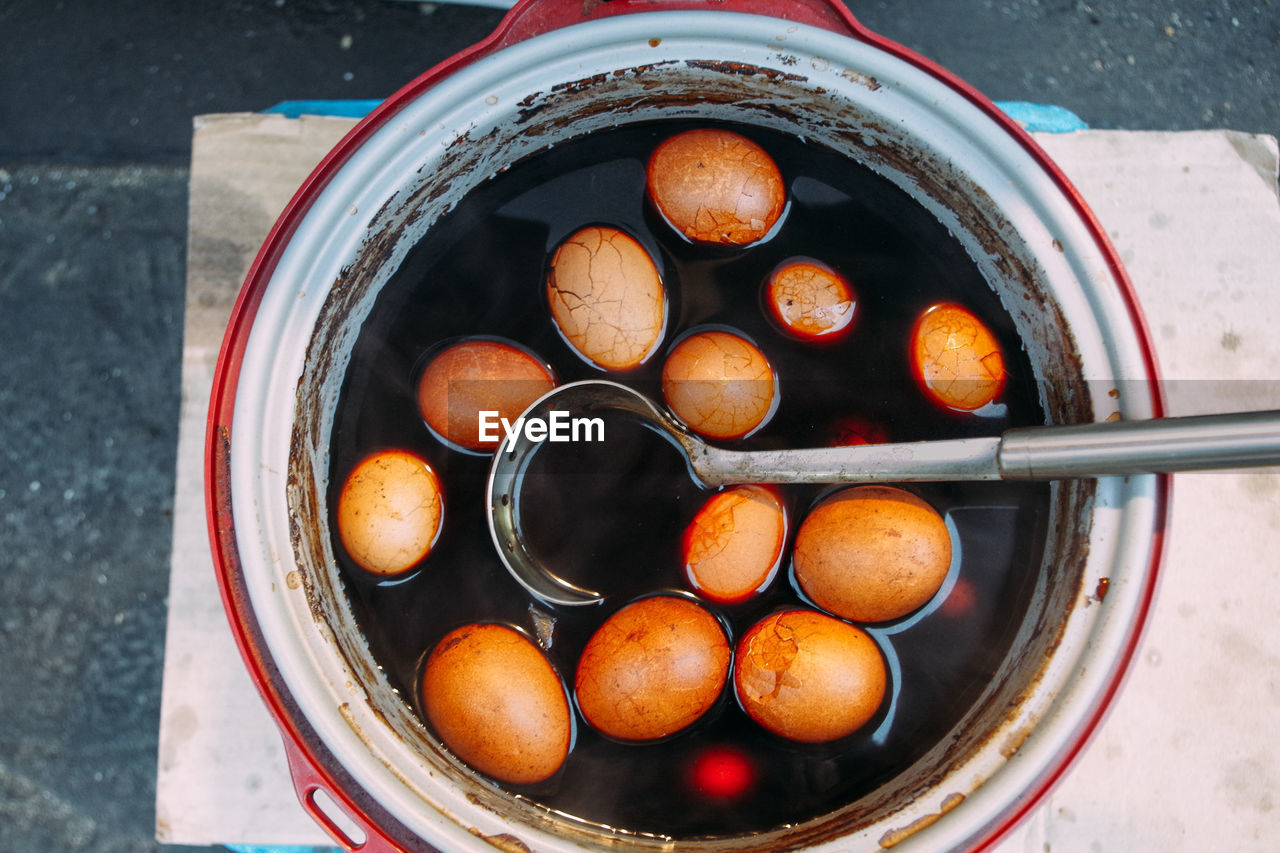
[
  {"x": 478, "y": 375},
  {"x": 809, "y": 677},
  {"x": 716, "y": 186},
  {"x": 956, "y": 358},
  {"x": 390, "y": 511},
  {"x": 809, "y": 299},
  {"x": 734, "y": 544},
  {"x": 688, "y": 317},
  {"x": 872, "y": 553},
  {"x": 497, "y": 703},
  {"x": 606, "y": 298},
  {"x": 653, "y": 668},
  {"x": 720, "y": 384}
]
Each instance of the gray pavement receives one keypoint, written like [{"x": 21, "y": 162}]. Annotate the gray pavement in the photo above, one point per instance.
[{"x": 96, "y": 102}]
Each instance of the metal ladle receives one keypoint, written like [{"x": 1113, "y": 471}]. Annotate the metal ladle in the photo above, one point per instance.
[{"x": 1159, "y": 445}]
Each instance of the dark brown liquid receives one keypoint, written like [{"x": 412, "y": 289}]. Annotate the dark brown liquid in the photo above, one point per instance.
[{"x": 610, "y": 515}]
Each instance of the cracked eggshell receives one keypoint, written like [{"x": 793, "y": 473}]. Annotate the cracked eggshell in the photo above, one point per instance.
[
  {"x": 871, "y": 553},
  {"x": 810, "y": 300},
  {"x": 720, "y": 384},
  {"x": 606, "y": 298},
  {"x": 497, "y": 703},
  {"x": 652, "y": 669},
  {"x": 734, "y": 543},
  {"x": 716, "y": 186},
  {"x": 809, "y": 677},
  {"x": 956, "y": 359},
  {"x": 390, "y": 512}
]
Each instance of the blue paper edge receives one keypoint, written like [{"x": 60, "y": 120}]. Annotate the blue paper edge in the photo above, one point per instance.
[
  {"x": 1042, "y": 118},
  {"x": 1035, "y": 118},
  {"x": 344, "y": 109}
]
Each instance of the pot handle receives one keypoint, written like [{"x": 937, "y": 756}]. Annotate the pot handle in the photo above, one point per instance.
[
  {"x": 338, "y": 816},
  {"x": 529, "y": 18},
  {"x": 533, "y": 17}
]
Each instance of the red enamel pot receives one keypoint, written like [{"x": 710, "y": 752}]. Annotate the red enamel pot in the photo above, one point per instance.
[{"x": 364, "y": 764}]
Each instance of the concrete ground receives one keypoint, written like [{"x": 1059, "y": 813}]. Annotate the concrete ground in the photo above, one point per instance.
[{"x": 96, "y": 104}]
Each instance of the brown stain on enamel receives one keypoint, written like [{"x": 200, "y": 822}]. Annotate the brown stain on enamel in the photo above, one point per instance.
[
  {"x": 506, "y": 842},
  {"x": 894, "y": 837}
]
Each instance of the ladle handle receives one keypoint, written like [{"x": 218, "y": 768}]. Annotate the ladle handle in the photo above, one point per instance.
[{"x": 1160, "y": 445}]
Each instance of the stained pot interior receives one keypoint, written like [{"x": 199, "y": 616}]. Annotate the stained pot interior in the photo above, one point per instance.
[{"x": 768, "y": 97}]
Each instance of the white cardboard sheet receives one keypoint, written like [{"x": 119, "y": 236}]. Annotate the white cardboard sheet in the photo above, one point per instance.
[{"x": 1189, "y": 756}]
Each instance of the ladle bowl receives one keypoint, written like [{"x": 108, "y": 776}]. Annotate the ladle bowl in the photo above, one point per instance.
[{"x": 1110, "y": 448}]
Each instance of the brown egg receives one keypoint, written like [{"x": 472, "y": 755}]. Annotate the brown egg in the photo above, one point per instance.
[
  {"x": 808, "y": 677},
  {"x": 871, "y": 553},
  {"x": 652, "y": 669},
  {"x": 715, "y": 186},
  {"x": 733, "y": 546},
  {"x": 495, "y": 700},
  {"x": 389, "y": 512},
  {"x": 956, "y": 359},
  {"x": 809, "y": 299},
  {"x": 720, "y": 384},
  {"x": 474, "y": 376},
  {"x": 607, "y": 298}
]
